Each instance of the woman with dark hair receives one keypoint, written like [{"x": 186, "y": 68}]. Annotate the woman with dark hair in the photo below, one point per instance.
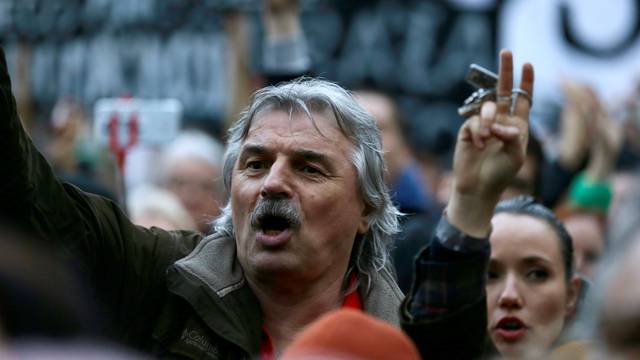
[{"x": 532, "y": 289}]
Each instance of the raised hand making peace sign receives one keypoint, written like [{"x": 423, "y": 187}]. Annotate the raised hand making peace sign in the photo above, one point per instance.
[{"x": 490, "y": 150}]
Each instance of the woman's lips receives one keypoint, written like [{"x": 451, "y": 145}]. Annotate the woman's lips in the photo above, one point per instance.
[{"x": 510, "y": 329}]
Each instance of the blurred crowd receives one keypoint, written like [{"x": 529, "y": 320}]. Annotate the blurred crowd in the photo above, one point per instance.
[{"x": 565, "y": 240}]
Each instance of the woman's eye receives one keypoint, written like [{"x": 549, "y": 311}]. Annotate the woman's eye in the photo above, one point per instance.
[
  {"x": 493, "y": 275},
  {"x": 538, "y": 274},
  {"x": 592, "y": 257}
]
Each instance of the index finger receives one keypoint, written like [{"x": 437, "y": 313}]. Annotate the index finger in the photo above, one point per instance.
[
  {"x": 523, "y": 104},
  {"x": 505, "y": 83}
]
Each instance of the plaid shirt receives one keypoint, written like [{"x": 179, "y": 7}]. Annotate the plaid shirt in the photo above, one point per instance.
[{"x": 450, "y": 273}]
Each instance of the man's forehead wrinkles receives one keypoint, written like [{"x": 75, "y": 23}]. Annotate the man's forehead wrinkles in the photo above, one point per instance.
[
  {"x": 318, "y": 123},
  {"x": 294, "y": 138},
  {"x": 304, "y": 152},
  {"x": 287, "y": 130}
]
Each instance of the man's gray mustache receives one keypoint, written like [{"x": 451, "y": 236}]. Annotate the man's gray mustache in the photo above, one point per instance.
[{"x": 280, "y": 208}]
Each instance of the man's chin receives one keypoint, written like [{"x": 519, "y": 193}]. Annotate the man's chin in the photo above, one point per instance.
[{"x": 273, "y": 263}]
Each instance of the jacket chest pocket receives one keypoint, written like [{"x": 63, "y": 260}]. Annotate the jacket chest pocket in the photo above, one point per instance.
[
  {"x": 181, "y": 334},
  {"x": 194, "y": 343}
]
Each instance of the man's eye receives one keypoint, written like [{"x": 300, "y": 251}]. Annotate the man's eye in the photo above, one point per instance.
[
  {"x": 255, "y": 165},
  {"x": 310, "y": 170}
]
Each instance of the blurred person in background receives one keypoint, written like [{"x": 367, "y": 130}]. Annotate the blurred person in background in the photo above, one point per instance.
[
  {"x": 408, "y": 188},
  {"x": 72, "y": 154},
  {"x": 191, "y": 168},
  {"x": 403, "y": 176},
  {"x": 46, "y": 311},
  {"x": 611, "y": 315},
  {"x": 39, "y": 294},
  {"x": 585, "y": 210},
  {"x": 587, "y": 230},
  {"x": 67, "y": 125},
  {"x": 618, "y": 311},
  {"x": 148, "y": 206},
  {"x": 624, "y": 179},
  {"x": 285, "y": 49},
  {"x": 618, "y": 321}
]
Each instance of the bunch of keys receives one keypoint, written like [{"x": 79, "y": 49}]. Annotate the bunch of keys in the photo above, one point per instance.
[{"x": 483, "y": 80}]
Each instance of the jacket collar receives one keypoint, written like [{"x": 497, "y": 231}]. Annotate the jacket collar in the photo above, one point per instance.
[
  {"x": 385, "y": 297},
  {"x": 211, "y": 280}
]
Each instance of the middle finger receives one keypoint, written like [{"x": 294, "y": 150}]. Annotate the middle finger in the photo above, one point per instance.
[{"x": 505, "y": 83}]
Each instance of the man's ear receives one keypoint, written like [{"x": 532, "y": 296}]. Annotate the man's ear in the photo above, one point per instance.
[
  {"x": 363, "y": 226},
  {"x": 574, "y": 294}
]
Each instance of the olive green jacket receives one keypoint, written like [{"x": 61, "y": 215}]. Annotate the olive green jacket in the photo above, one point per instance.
[{"x": 174, "y": 294}]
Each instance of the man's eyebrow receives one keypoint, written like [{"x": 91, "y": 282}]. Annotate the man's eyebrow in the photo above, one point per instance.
[
  {"x": 305, "y": 154},
  {"x": 315, "y": 157},
  {"x": 252, "y": 149}
]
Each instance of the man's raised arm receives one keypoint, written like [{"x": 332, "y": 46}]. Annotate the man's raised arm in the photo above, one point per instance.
[
  {"x": 124, "y": 263},
  {"x": 445, "y": 312},
  {"x": 32, "y": 198}
]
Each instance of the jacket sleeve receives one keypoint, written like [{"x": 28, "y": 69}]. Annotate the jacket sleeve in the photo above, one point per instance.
[
  {"x": 445, "y": 313},
  {"x": 124, "y": 263}
]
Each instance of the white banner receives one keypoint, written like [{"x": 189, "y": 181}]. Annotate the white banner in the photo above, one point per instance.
[{"x": 596, "y": 42}]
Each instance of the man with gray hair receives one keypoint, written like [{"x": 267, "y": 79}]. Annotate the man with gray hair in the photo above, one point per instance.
[{"x": 306, "y": 229}]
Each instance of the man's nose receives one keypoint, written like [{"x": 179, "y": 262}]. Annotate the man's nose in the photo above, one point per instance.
[
  {"x": 277, "y": 182},
  {"x": 510, "y": 297}
]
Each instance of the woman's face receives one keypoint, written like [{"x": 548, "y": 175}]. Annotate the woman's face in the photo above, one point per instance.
[{"x": 528, "y": 297}]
